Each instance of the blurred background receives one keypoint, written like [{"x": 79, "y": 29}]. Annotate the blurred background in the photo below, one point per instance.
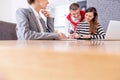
[{"x": 107, "y": 9}]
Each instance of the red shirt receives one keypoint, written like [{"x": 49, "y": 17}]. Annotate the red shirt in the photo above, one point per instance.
[{"x": 82, "y": 13}]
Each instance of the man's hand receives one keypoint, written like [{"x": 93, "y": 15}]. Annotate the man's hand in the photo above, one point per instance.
[
  {"x": 71, "y": 36},
  {"x": 76, "y": 35},
  {"x": 45, "y": 13}
]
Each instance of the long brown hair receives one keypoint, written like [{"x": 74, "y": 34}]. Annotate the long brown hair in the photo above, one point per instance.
[{"x": 94, "y": 21}]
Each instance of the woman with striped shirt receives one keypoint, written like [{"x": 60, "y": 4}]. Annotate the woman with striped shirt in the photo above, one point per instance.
[{"x": 90, "y": 28}]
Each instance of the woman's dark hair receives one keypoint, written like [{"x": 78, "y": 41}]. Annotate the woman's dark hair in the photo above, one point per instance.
[
  {"x": 74, "y": 6},
  {"x": 30, "y": 1},
  {"x": 94, "y": 21}
]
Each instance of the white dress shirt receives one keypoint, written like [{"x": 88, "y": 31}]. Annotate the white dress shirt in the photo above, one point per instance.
[{"x": 37, "y": 15}]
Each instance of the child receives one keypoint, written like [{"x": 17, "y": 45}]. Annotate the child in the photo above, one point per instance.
[{"x": 90, "y": 28}]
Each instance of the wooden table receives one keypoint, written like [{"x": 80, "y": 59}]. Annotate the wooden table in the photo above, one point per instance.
[{"x": 60, "y": 60}]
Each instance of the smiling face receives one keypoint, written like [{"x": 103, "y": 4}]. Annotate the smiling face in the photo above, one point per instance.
[
  {"x": 89, "y": 16},
  {"x": 75, "y": 13}
]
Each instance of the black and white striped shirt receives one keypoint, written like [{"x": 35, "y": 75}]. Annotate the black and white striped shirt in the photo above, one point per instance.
[{"x": 83, "y": 28}]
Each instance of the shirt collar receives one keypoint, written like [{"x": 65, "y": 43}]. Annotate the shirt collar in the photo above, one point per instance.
[
  {"x": 35, "y": 12},
  {"x": 75, "y": 19}
]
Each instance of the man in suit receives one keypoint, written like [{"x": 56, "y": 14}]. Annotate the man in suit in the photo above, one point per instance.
[{"x": 30, "y": 25}]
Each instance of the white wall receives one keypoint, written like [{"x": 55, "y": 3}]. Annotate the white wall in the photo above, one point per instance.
[
  {"x": 5, "y": 10},
  {"x": 8, "y": 9},
  {"x": 60, "y": 14},
  {"x": 15, "y": 5}
]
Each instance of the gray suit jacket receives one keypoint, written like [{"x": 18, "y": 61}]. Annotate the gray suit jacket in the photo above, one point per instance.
[{"x": 29, "y": 29}]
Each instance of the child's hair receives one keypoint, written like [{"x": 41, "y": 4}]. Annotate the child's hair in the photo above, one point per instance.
[{"x": 94, "y": 21}]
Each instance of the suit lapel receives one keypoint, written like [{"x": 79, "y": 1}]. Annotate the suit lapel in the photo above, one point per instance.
[
  {"x": 34, "y": 19},
  {"x": 43, "y": 24}
]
